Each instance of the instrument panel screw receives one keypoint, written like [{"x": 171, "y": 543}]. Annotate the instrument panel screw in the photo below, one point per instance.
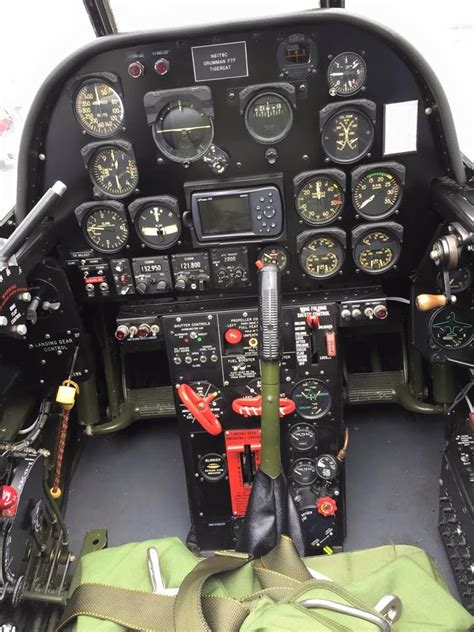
[
  {"x": 305, "y": 157},
  {"x": 47, "y": 336},
  {"x": 238, "y": 165},
  {"x": 42, "y": 157},
  {"x": 160, "y": 161},
  {"x": 428, "y": 111},
  {"x": 302, "y": 87},
  {"x": 326, "y": 160},
  {"x": 30, "y": 346},
  {"x": 231, "y": 96},
  {"x": 41, "y": 381},
  {"x": 43, "y": 362}
]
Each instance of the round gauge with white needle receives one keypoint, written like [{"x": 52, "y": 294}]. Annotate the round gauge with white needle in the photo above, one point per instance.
[
  {"x": 98, "y": 108},
  {"x": 347, "y": 73},
  {"x": 377, "y": 194},
  {"x": 113, "y": 171},
  {"x": 312, "y": 398},
  {"x": 158, "y": 226},
  {"x": 319, "y": 201},
  {"x": 106, "y": 229}
]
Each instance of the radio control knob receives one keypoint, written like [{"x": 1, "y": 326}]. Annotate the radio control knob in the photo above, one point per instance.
[
  {"x": 180, "y": 284},
  {"x": 142, "y": 287},
  {"x": 162, "y": 286}
]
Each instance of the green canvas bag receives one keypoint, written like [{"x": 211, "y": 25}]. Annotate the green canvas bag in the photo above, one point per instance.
[{"x": 231, "y": 591}]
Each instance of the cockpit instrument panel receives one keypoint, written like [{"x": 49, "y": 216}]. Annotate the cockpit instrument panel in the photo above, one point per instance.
[{"x": 271, "y": 142}]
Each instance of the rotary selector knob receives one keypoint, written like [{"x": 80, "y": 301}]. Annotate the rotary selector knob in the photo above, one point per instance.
[
  {"x": 142, "y": 287},
  {"x": 180, "y": 284}
]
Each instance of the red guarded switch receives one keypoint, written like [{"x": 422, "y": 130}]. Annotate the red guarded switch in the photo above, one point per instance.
[
  {"x": 233, "y": 336},
  {"x": 312, "y": 320},
  {"x": 331, "y": 344},
  {"x": 326, "y": 506}
]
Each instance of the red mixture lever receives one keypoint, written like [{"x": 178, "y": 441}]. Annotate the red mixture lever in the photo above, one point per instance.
[
  {"x": 252, "y": 406},
  {"x": 200, "y": 408}
]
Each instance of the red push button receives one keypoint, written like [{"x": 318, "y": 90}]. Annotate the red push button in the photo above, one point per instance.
[{"x": 233, "y": 336}]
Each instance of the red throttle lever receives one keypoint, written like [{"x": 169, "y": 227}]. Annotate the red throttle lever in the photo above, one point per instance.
[
  {"x": 200, "y": 409},
  {"x": 252, "y": 406}
]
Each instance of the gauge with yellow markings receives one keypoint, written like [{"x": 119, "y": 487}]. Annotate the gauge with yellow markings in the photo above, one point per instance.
[
  {"x": 376, "y": 251},
  {"x": 320, "y": 200},
  {"x": 322, "y": 256},
  {"x": 113, "y": 171},
  {"x": 347, "y": 135},
  {"x": 158, "y": 226},
  {"x": 106, "y": 228},
  {"x": 182, "y": 131},
  {"x": 276, "y": 255},
  {"x": 99, "y": 108},
  {"x": 377, "y": 194}
]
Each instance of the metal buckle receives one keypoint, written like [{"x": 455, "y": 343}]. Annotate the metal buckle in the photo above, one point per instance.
[{"x": 389, "y": 608}]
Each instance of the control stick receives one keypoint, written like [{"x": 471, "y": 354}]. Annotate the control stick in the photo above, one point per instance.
[{"x": 271, "y": 510}]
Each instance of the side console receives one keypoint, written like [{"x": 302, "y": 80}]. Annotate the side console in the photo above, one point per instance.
[{"x": 214, "y": 367}]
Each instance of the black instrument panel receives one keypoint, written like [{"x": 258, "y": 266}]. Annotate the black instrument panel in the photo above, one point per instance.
[{"x": 299, "y": 108}]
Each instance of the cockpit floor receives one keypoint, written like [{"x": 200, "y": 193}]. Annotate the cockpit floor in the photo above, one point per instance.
[{"x": 133, "y": 483}]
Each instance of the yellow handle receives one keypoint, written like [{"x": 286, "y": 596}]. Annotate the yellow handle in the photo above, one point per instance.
[{"x": 426, "y": 302}]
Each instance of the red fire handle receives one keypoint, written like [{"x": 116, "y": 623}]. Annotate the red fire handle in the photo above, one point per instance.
[
  {"x": 200, "y": 409},
  {"x": 252, "y": 406}
]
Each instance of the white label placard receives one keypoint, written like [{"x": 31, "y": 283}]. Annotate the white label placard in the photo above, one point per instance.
[{"x": 400, "y": 127}]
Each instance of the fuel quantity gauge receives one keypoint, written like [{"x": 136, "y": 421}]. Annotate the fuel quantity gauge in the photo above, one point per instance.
[{"x": 322, "y": 255}]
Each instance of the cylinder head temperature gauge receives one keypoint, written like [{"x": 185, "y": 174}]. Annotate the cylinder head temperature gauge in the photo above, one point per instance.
[{"x": 327, "y": 467}]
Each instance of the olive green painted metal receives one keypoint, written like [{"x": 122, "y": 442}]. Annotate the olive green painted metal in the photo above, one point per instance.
[
  {"x": 270, "y": 459},
  {"x": 87, "y": 404},
  {"x": 444, "y": 386}
]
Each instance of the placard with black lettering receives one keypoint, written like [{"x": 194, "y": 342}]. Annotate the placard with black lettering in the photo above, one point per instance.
[{"x": 220, "y": 61}]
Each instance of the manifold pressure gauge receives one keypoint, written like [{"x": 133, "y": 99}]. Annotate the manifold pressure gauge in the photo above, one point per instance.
[
  {"x": 319, "y": 200},
  {"x": 98, "y": 108},
  {"x": 113, "y": 171},
  {"x": 158, "y": 225},
  {"x": 377, "y": 192}
]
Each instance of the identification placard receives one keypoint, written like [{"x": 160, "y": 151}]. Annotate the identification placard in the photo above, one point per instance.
[{"x": 220, "y": 61}]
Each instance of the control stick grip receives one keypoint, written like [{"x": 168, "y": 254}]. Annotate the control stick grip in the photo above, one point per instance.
[
  {"x": 32, "y": 220},
  {"x": 269, "y": 307}
]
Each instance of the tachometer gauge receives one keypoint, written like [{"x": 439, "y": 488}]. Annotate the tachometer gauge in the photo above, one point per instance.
[
  {"x": 269, "y": 117},
  {"x": 312, "y": 398},
  {"x": 106, "y": 229},
  {"x": 452, "y": 327},
  {"x": 158, "y": 226},
  {"x": 319, "y": 200},
  {"x": 322, "y": 256},
  {"x": 302, "y": 437},
  {"x": 327, "y": 467},
  {"x": 376, "y": 251},
  {"x": 182, "y": 131},
  {"x": 347, "y": 73},
  {"x": 276, "y": 255},
  {"x": 459, "y": 280},
  {"x": 377, "y": 194},
  {"x": 347, "y": 135},
  {"x": 98, "y": 108},
  {"x": 113, "y": 171},
  {"x": 303, "y": 472}
]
